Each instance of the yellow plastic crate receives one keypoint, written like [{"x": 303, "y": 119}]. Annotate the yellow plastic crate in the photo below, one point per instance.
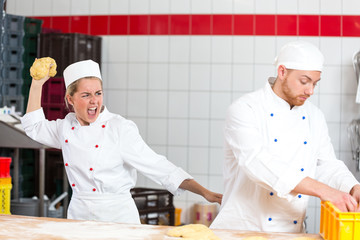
[
  {"x": 336, "y": 225},
  {"x": 5, "y": 197}
]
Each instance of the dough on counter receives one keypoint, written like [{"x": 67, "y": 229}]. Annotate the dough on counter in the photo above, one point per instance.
[
  {"x": 193, "y": 231},
  {"x": 303, "y": 238},
  {"x": 255, "y": 238},
  {"x": 40, "y": 68}
]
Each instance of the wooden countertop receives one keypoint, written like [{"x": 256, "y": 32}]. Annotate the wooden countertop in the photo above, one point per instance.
[{"x": 13, "y": 227}]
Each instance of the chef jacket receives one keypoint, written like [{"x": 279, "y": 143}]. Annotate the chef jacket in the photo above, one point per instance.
[
  {"x": 269, "y": 149},
  {"x": 101, "y": 162}
]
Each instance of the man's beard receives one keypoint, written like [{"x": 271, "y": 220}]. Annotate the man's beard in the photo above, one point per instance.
[{"x": 291, "y": 98}]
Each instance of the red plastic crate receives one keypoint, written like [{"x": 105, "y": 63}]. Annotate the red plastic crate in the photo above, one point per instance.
[
  {"x": 54, "y": 91},
  {"x": 54, "y": 111},
  {"x": 5, "y": 167}
]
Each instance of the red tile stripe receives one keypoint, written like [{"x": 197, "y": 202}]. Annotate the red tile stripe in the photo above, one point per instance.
[{"x": 208, "y": 24}]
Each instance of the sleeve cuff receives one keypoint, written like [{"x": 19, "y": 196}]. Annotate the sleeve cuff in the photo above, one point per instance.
[
  {"x": 175, "y": 179},
  {"x": 287, "y": 183},
  {"x": 33, "y": 117}
]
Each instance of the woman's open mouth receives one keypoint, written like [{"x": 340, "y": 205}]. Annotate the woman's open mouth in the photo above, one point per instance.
[{"x": 92, "y": 111}]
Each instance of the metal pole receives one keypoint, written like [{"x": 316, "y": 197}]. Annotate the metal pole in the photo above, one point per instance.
[
  {"x": 16, "y": 174},
  {"x": 41, "y": 181}
]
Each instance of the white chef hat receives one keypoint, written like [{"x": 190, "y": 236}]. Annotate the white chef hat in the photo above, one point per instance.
[
  {"x": 86, "y": 68},
  {"x": 300, "y": 55}
]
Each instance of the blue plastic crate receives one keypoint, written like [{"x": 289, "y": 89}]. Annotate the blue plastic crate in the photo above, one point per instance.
[
  {"x": 12, "y": 55},
  {"x": 11, "y": 88},
  {"x": 2, "y": 16},
  {"x": 12, "y": 39},
  {"x": 14, "y": 23},
  {"x": 12, "y": 71},
  {"x": 2, "y": 3},
  {"x": 16, "y": 101}
]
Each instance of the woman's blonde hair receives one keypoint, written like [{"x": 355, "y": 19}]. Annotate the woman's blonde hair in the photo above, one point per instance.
[{"x": 72, "y": 89}]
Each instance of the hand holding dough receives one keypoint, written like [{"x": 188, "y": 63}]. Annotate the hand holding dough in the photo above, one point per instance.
[
  {"x": 42, "y": 67},
  {"x": 193, "y": 232}
]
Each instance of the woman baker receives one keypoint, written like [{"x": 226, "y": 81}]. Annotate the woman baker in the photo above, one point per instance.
[{"x": 101, "y": 150}]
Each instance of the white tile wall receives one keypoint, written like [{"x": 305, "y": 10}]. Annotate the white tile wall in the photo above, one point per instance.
[
  {"x": 265, "y": 6},
  {"x": 178, "y": 104},
  {"x": 243, "y": 49},
  {"x": 118, "y": 6},
  {"x": 117, "y": 76},
  {"x": 244, "y": 6},
  {"x": 221, "y": 77},
  {"x": 80, "y": 7},
  {"x": 199, "y": 105},
  {"x": 138, "y": 49},
  {"x": 139, "y": 6},
  {"x": 331, "y": 6},
  {"x": 116, "y": 101},
  {"x": 348, "y": 80},
  {"x": 178, "y": 132},
  {"x": 159, "y": 49},
  {"x": 242, "y": 77},
  {"x": 157, "y": 104},
  {"x": 201, "y": 6},
  {"x": 158, "y": 76},
  {"x": 179, "y": 76},
  {"x": 137, "y": 103},
  {"x": 309, "y": 6},
  {"x": 25, "y": 8},
  {"x": 200, "y": 49},
  {"x": 216, "y": 162},
  {"x": 351, "y": 7},
  {"x": 177, "y": 6},
  {"x": 265, "y": 50},
  {"x": 180, "y": 49},
  {"x": 331, "y": 48},
  {"x": 178, "y": 156},
  {"x": 287, "y": 6},
  {"x": 330, "y": 105},
  {"x": 99, "y": 7},
  {"x": 177, "y": 88},
  {"x": 198, "y": 160},
  {"x": 222, "y": 6},
  {"x": 61, "y": 8},
  {"x": 200, "y": 75},
  {"x": 138, "y": 76},
  {"x": 118, "y": 48},
  {"x": 219, "y": 102},
  {"x": 199, "y": 133},
  {"x": 159, "y": 6},
  {"x": 334, "y": 133},
  {"x": 330, "y": 82},
  {"x": 216, "y": 133},
  {"x": 221, "y": 54},
  {"x": 42, "y": 7},
  {"x": 157, "y": 131}
]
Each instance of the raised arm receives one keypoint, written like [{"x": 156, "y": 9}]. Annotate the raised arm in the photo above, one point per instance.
[{"x": 34, "y": 102}]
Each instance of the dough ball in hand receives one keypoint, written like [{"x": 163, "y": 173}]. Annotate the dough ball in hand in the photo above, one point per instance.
[
  {"x": 41, "y": 66},
  {"x": 193, "y": 232}
]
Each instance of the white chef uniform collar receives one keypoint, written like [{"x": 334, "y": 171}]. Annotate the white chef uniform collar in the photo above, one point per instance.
[
  {"x": 75, "y": 71},
  {"x": 300, "y": 55}
]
